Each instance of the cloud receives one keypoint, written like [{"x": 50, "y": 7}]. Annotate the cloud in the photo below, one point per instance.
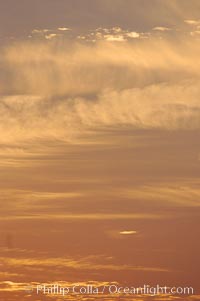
[
  {"x": 88, "y": 263},
  {"x": 63, "y": 28},
  {"x": 133, "y": 34},
  {"x": 40, "y": 31},
  {"x": 128, "y": 232},
  {"x": 84, "y": 217},
  {"x": 179, "y": 194},
  {"x": 153, "y": 107},
  {"x": 17, "y": 289},
  {"x": 61, "y": 90},
  {"x": 51, "y": 36},
  {"x": 192, "y": 22},
  {"x": 48, "y": 34},
  {"x": 114, "y": 38},
  {"x": 114, "y": 34},
  {"x": 195, "y": 32},
  {"x": 22, "y": 286},
  {"x": 161, "y": 28}
]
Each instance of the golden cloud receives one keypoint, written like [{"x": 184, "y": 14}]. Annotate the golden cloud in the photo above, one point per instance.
[{"x": 65, "y": 89}]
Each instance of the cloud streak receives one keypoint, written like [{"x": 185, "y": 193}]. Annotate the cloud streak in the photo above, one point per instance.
[{"x": 61, "y": 90}]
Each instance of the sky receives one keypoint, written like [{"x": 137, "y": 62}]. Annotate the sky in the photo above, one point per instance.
[{"x": 99, "y": 147}]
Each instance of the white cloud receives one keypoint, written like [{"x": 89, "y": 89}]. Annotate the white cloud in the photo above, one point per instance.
[
  {"x": 128, "y": 232},
  {"x": 192, "y": 22},
  {"x": 63, "y": 28},
  {"x": 133, "y": 34},
  {"x": 40, "y": 31},
  {"x": 161, "y": 28},
  {"x": 50, "y": 36},
  {"x": 114, "y": 38},
  {"x": 117, "y": 29},
  {"x": 114, "y": 34}
]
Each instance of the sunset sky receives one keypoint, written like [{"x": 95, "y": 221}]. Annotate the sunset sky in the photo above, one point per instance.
[{"x": 99, "y": 146}]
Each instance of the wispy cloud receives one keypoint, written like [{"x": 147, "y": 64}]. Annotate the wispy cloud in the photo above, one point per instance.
[
  {"x": 69, "y": 90},
  {"x": 63, "y": 28},
  {"x": 161, "y": 28},
  {"x": 51, "y": 36},
  {"x": 192, "y": 22},
  {"x": 82, "y": 264},
  {"x": 128, "y": 232}
]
